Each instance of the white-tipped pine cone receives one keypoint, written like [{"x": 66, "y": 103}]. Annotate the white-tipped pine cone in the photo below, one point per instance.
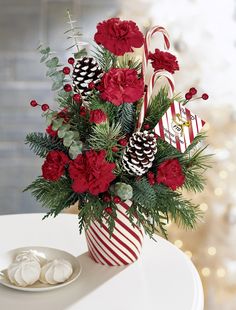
[
  {"x": 140, "y": 153},
  {"x": 86, "y": 70}
]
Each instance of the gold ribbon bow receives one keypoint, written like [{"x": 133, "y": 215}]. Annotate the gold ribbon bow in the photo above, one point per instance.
[{"x": 179, "y": 121}]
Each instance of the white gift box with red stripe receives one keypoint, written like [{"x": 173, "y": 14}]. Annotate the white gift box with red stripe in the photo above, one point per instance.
[
  {"x": 123, "y": 247},
  {"x": 179, "y": 126}
]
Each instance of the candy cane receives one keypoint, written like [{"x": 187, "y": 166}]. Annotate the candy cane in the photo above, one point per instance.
[
  {"x": 155, "y": 75},
  {"x": 148, "y": 37},
  {"x": 148, "y": 94}
]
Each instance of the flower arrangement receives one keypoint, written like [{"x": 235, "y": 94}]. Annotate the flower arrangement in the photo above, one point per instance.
[{"x": 107, "y": 143}]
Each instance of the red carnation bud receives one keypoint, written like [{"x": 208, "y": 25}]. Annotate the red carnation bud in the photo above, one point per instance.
[
  {"x": 123, "y": 142},
  {"x": 205, "y": 96},
  {"x": 146, "y": 126},
  {"x": 45, "y": 107},
  {"x": 151, "y": 182},
  {"x": 151, "y": 175},
  {"x": 33, "y": 103},
  {"x": 193, "y": 91},
  {"x": 116, "y": 199},
  {"x": 91, "y": 85},
  {"x": 106, "y": 197},
  {"x": 97, "y": 116},
  {"x": 67, "y": 88},
  {"x": 82, "y": 111},
  {"x": 188, "y": 96},
  {"x": 115, "y": 149},
  {"x": 71, "y": 60},
  {"x": 108, "y": 210},
  {"x": 77, "y": 97},
  {"x": 66, "y": 70}
]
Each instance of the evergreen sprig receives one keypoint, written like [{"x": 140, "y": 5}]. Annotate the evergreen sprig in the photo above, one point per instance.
[
  {"x": 126, "y": 116},
  {"x": 105, "y": 59},
  {"x": 55, "y": 196},
  {"x": 41, "y": 143}
]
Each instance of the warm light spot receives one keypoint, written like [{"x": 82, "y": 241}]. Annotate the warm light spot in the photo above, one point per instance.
[
  {"x": 229, "y": 144},
  {"x": 218, "y": 191},
  {"x": 189, "y": 254},
  {"x": 231, "y": 167},
  {"x": 223, "y": 174},
  {"x": 220, "y": 272},
  {"x": 206, "y": 271},
  {"x": 211, "y": 251},
  {"x": 204, "y": 207},
  {"x": 179, "y": 243}
]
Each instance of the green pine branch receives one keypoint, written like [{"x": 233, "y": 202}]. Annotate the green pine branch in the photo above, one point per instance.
[
  {"x": 41, "y": 143},
  {"x": 126, "y": 116},
  {"x": 55, "y": 196},
  {"x": 105, "y": 59},
  {"x": 104, "y": 136}
]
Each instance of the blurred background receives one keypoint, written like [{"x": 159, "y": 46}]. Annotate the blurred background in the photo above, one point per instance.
[{"x": 203, "y": 35}]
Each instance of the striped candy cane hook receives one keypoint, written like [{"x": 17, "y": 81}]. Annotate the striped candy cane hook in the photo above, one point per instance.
[{"x": 156, "y": 75}]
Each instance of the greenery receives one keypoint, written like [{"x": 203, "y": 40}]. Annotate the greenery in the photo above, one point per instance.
[{"x": 153, "y": 206}]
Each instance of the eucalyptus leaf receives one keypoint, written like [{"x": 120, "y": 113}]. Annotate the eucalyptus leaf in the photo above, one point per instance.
[
  {"x": 58, "y": 76},
  {"x": 56, "y": 123},
  {"x": 45, "y": 50},
  {"x": 57, "y": 85},
  {"x": 67, "y": 142},
  {"x": 69, "y": 135},
  {"x": 61, "y": 133},
  {"x": 53, "y": 62},
  {"x": 44, "y": 57},
  {"x": 51, "y": 72}
]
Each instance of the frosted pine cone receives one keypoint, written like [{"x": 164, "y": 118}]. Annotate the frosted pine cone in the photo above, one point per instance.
[
  {"x": 139, "y": 153},
  {"x": 86, "y": 70}
]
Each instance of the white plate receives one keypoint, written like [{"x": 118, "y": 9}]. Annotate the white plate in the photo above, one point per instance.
[{"x": 50, "y": 253}]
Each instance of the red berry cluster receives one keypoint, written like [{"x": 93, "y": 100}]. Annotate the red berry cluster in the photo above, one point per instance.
[
  {"x": 107, "y": 198},
  {"x": 43, "y": 106},
  {"x": 192, "y": 92}
]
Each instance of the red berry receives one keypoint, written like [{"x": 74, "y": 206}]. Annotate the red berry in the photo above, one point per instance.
[
  {"x": 205, "y": 96},
  {"x": 115, "y": 149},
  {"x": 151, "y": 181},
  {"x": 45, "y": 107},
  {"x": 188, "y": 96},
  {"x": 156, "y": 136},
  {"x": 193, "y": 91},
  {"x": 66, "y": 70},
  {"x": 106, "y": 197},
  {"x": 71, "y": 60},
  {"x": 123, "y": 142},
  {"x": 116, "y": 199},
  {"x": 151, "y": 175},
  {"x": 77, "y": 97},
  {"x": 108, "y": 210},
  {"x": 146, "y": 126},
  {"x": 91, "y": 85},
  {"x": 33, "y": 103},
  {"x": 67, "y": 88}
]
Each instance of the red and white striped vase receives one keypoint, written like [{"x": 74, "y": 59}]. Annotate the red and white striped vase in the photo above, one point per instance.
[{"x": 124, "y": 245}]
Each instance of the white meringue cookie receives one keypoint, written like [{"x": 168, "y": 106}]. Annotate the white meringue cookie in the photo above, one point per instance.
[
  {"x": 24, "y": 273},
  {"x": 56, "y": 271},
  {"x": 31, "y": 255}
]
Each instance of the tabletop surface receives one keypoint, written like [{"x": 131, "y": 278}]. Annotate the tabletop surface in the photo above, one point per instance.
[{"x": 164, "y": 278}]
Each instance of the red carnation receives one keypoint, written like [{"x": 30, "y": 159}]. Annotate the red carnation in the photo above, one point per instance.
[
  {"x": 121, "y": 85},
  {"x": 91, "y": 172},
  {"x": 119, "y": 37},
  {"x": 170, "y": 173},
  {"x": 164, "y": 61},
  {"x": 51, "y": 132},
  {"x": 54, "y": 166},
  {"x": 97, "y": 116}
]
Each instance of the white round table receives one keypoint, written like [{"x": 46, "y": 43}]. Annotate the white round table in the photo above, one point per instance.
[{"x": 163, "y": 278}]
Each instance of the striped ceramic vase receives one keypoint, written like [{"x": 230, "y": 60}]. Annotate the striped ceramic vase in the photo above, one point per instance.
[{"x": 123, "y": 247}]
